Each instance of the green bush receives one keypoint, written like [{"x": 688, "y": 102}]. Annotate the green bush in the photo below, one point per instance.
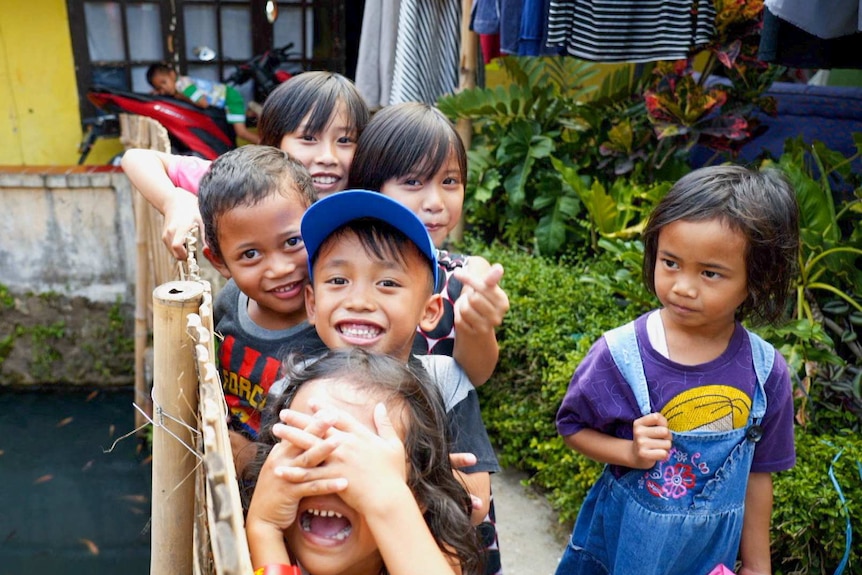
[
  {"x": 554, "y": 319},
  {"x": 809, "y": 521}
]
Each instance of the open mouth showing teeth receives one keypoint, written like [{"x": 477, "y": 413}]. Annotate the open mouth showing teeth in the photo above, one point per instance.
[
  {"x": 325, "y": 180},
  {"x": 285, "y": 288},
  {"x": 359, "y": 331},
  {"x": 324, "y": 523}
]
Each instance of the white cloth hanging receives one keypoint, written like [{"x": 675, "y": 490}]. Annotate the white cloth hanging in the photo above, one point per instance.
[
  {"x": 427, "y": 53},
  {"x": 375, "y": 60}
]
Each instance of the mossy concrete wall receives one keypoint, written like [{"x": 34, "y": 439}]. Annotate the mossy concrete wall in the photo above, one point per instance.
[{"x": 67, "y": 276}]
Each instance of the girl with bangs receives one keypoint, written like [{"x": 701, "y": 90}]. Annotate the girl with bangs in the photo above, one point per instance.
[{"x": 316, "y": 117}]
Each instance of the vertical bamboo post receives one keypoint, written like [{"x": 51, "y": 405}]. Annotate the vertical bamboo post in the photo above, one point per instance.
[
  {"x": 466, "y": 80},
  {"x": 175, "y": 405},
  {"x": 142, "y": 308}
]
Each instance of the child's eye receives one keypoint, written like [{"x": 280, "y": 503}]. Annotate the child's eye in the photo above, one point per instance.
[
  {"x": 412, "y": 182},
  {"x": 346, "y": 140},
  {"x": 307, "y": 137},
  {"x": 293, "y": 242},
  {"x": 249, "y": 254},
  {"x": 670, "y": 264},
  {"x": 711, "y": 274},
  {"x": 339, "y": 281},
  {"x": 389, "y": 283},
  {"x": 451, "y": 182}
]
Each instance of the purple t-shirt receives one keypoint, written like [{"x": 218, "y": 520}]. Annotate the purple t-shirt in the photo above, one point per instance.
[{"x": 711, "y": 396}]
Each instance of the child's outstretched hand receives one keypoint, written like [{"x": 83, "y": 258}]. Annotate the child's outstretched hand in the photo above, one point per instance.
[
  {"x": 482, "y": 304},
  {"x": 651, "y": 440}
]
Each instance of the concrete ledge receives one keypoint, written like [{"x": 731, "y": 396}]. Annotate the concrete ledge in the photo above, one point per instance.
[{"x": 67, "y": 230}]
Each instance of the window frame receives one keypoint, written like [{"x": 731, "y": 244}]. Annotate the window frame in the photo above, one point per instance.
[{"x": 328, "y": 24}]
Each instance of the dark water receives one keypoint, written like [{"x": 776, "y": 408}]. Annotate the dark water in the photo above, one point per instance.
[{"x": 66, "y": 506}]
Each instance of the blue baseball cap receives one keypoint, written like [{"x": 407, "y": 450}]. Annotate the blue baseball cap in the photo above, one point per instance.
[{"x": 327, "y": 215}]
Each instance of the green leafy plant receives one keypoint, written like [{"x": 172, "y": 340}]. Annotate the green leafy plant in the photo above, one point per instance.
[
  {"x": 716, "y": 105},
  {"x": 513, "y": 192},
  {"x": 810, "y": 523}
]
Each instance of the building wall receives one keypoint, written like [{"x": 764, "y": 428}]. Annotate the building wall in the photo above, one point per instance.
[{"x": 39, "y": 117}]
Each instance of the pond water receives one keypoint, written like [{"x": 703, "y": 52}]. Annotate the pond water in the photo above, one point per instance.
[{"x": 68, "y": 503}]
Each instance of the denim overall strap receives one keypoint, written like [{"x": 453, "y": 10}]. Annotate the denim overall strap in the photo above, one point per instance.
[
  {"x": 623, "y": 345},
  {"x": 763, "y": 356},
  {"x": 681, "y": 517}
]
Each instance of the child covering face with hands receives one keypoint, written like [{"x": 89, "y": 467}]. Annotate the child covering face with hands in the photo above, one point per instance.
[{"x": 357, "y": 480}]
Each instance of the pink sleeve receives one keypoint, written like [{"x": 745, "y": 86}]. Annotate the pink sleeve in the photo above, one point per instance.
[{"x": 186, "y": 172}]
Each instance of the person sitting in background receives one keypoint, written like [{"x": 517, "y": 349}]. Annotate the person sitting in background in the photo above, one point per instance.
[{"x": 203, "y": 94}]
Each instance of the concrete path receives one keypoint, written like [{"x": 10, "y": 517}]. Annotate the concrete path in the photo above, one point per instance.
[{"x": 531, "y": 538}]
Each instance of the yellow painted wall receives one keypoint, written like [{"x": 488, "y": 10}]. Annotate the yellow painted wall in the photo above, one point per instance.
[{"x": 39, "y": 117}]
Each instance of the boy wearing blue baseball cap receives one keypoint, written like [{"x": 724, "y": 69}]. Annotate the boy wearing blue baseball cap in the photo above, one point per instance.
[{"x": 372, "y": 268}]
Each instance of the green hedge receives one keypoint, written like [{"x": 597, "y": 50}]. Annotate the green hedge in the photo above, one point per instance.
[{"x": 554, "y": 318}]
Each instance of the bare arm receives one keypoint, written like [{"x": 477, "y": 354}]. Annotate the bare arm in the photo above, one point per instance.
[
  {"x": 754, "y": 547},
  {"x": 148, "y": 172},
  {"x": 243, "y": 132},
  {"x": 651, "y": 443},
  {"x": 478, "y": 312}
]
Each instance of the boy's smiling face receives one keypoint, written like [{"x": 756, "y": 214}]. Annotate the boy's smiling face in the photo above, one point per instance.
[
  {"x": 359, "y": 299},
  {"x": 262, "y": 250}
]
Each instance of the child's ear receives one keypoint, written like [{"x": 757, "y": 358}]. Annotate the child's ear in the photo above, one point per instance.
[
  {"x": 432, "y": 313},
  {"x": 217, "y": 263},
  {"x": 310, "y": 308}
]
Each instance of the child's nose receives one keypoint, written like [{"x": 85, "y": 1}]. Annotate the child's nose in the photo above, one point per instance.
[
  {"x": 327, "y": 153},
  {"x": 433, "y": 201},
  {"x": 281, "y": 264},
  {"x": 684, "y": 286},
  {"x": 357, "y": 299}
]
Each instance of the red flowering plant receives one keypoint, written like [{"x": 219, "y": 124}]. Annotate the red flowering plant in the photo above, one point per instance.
[{"x": 716, "y": 106}]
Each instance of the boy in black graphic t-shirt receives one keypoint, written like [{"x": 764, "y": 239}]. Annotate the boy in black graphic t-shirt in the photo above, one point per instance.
[{"x": 252, "y": 200}]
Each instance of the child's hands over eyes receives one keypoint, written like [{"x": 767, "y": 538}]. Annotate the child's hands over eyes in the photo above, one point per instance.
[
  {"x": 276, "y": 495},
  {"x": 651, "y": 440},
  {"x": 372, "y": 462},
  {"x": 482, "y": 304}
]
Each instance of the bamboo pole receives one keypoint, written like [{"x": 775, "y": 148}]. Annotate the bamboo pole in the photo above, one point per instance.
[
  {"x": 466, "y": 80},
  {"x": 142, "y": 309},
  {"x": 175, "y": 405}
]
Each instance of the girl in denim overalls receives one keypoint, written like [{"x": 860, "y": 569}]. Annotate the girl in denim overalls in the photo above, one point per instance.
[{"x": 689, "y": 410}]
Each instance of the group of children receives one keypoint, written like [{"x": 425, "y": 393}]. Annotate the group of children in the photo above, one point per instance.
[{"x": 351, "y": 345}]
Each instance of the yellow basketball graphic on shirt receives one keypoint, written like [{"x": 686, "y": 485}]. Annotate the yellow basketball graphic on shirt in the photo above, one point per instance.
[{"x": 708, "y": 408}]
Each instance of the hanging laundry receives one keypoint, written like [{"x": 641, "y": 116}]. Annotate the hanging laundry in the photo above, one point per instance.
[
  {"x": 375, "y": 61},
  {"x": 427, "y": 53},
  {"x": 630, "y": 31},
  {"x": 783, "y": 43},
  {"x": 820, "y": 18},
  {"x": 533, "y": 39}
]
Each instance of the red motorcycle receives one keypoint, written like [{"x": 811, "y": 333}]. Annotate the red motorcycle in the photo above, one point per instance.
[{"x": 203, "y": 132}]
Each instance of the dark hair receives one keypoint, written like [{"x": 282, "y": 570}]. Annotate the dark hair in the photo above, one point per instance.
[
  {"x": 380, "y": 240},
  {"x": 312, "y": 94},
  {"x": 760, "y": 205},
  {"x": 245, "y": 176},
  {"x": 445, "y": 503},
  {"x": 411, "y": 138},
  {"x": 159, "y": 68}
]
